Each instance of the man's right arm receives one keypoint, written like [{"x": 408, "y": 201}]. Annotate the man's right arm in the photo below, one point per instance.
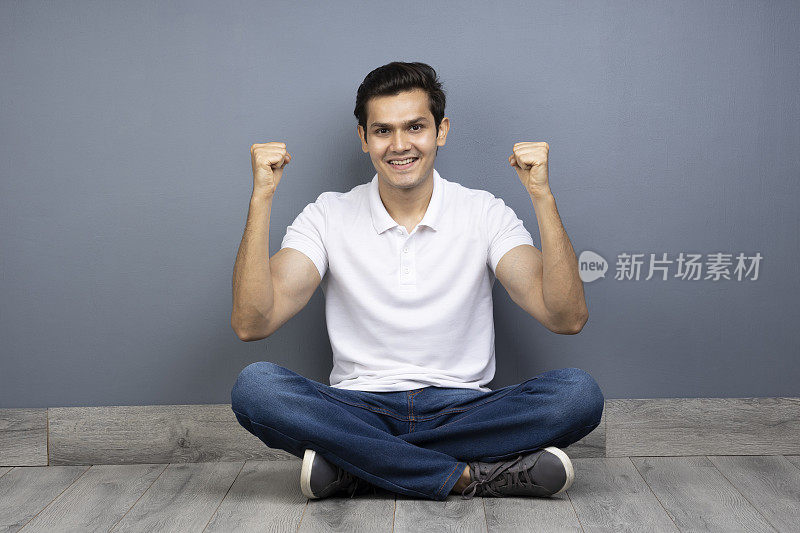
[
  {"x": 267, "y": 292},
  {"x": 253, "y": 292}
]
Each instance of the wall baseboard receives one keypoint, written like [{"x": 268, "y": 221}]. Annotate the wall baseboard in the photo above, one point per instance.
[{"x": 201, "y": 433}]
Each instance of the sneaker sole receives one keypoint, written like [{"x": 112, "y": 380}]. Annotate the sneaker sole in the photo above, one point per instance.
[
  {"x": 305, "y": 474},
  {"x": 567, "y": 466}
]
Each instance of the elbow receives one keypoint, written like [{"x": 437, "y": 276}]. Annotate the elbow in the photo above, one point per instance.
[
  {"x": 578, "y": 326},
  {"x": 242, "y": 334},
  {"x": 246, "y": 336},
  {"x": 574, "y": 327},
  {"x": 249, "y": 331}
]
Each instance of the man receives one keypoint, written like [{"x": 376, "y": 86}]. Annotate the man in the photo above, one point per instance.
[{"x": 407, "y": 263}]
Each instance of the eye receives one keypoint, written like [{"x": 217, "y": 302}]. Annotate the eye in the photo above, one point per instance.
[
  {"x": 380, "y": 130},
  {"x": 416, "y": 126}
]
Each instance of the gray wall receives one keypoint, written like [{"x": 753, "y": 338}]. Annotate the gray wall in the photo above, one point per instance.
[{"x": 126, "y": 128}]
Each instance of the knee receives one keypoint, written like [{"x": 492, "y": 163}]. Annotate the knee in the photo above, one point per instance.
[
  {"x": 585, "y": 398},
  {"x": 252, "y": 381}
]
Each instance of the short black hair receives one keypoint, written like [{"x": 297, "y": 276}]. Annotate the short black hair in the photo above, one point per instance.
[{"x": 395, "y": 77}]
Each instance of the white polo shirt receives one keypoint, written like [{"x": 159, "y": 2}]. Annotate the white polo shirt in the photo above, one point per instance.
[{"x": 408, "y": 310}]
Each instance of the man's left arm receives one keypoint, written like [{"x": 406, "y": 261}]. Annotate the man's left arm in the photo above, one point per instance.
[{"x": 549, "y": 279}]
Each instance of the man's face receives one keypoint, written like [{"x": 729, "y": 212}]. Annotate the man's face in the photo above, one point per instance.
[{"x": 401, "y": 127}]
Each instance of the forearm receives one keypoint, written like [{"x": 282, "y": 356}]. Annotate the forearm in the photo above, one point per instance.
[
  {"x": 252, "y": 279},
  {"x": 562, "y": 287}
]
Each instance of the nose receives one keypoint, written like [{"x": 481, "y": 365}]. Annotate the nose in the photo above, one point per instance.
[{"x": 400, "y": 142}]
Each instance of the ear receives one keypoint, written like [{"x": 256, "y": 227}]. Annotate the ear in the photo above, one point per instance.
[
  {"x": 444, "y": 127},
  {"x": 364, "y": 147}
]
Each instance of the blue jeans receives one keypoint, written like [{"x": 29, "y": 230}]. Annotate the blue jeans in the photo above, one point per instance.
[{"x": 414, "y": 442}]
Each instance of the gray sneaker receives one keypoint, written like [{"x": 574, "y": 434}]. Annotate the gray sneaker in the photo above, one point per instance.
[
  {"x": 319, "y": 478},
  {"x": 545, "y": 472}
]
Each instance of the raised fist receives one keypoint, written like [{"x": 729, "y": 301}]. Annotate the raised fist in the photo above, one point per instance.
[{"x": 268, "y": 161}]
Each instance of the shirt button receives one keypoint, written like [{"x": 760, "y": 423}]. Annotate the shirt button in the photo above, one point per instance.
[
  {"x": 406, "y": 270},
  {"x": 405, "y": 250}
]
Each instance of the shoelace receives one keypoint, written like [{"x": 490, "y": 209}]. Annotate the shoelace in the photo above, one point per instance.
[{"x": 514, "y": 479}]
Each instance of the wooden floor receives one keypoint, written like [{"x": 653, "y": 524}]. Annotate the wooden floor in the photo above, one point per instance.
[{"x": 690, "y": 493}]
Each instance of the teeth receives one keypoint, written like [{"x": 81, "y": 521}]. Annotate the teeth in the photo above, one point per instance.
[{"x": 401, "y": 162}]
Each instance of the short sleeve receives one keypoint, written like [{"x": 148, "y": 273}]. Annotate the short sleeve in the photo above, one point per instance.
[
  {"x": 504, "y": 230},
  {"x": 307, "y": 234}
]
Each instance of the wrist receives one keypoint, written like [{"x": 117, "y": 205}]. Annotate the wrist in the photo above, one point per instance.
[
  {"x": 261, "y": 197},
  {"x": 542, "y": 194}
]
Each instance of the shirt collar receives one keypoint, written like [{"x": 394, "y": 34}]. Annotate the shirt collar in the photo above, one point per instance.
[{"x": 382, "y": 220}]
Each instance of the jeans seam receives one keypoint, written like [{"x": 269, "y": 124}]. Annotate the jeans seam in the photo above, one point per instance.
[
  {"x": 387, "y": 412},
  {"x": 411, "y": 420},
  {"x": 438, "y": 492},
  {"x": 316, "y": 444},
  {"x": 408, "y": 409},
  {"x": 411, "y": 414}
]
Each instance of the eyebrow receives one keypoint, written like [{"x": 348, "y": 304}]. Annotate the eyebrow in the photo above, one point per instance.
[{"x": 406, "y": 123}]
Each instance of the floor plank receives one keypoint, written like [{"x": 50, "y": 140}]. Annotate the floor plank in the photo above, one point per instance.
[
  {"x": 771, "y": 483},
  {"x": 97, "y": 500},
  {"x": 452, "y": 514},
  {"x": 364, "y": 512},
  {"x": 608, "y": 494},
  {"x": 266, "y": 496},
  {"x": 702, "y": 426},
  {"x": 26, "y": 490},
  {"x": 23, "y": 437},
  {"x": 794, "y": 459},
  {"x": 697, "y": 495},
  {"x": 531, "y": 514},
  {"x": 183, "y": 498},
  {"x": 137, "y": 434}
]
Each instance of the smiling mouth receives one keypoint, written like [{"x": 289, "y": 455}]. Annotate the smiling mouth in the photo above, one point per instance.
[{"x": 409, "y": 164}]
